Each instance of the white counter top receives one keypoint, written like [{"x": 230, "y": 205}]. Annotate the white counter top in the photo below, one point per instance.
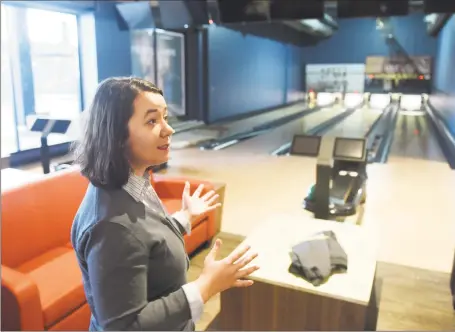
[{"x": 273, "y": 241}]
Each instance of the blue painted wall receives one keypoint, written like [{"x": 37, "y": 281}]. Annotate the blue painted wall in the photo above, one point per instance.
[
  {"x": 249, "y": 73},
  {"x": 358, "y": 38},
  {"x": 444, "y": 75},
  {"x": 112, "y": 44},
  {"x": 295, "y": 74},
  {"x": 445, "y": 62}
]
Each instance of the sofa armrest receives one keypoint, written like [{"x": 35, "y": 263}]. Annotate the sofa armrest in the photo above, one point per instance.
[
  {"x": 172, "y": 187},
  {"x": 21, "y": 301}
]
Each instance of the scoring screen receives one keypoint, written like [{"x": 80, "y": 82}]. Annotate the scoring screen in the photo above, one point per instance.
[
  {"x": 349, "y": 148},
  {"x": 305, "y": 145}
]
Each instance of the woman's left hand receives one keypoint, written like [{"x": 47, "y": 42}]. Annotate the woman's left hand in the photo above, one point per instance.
[{"x": 195, "y": 205}]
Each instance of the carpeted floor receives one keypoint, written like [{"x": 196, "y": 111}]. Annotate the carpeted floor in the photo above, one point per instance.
[{"x": 410, "y": 299}]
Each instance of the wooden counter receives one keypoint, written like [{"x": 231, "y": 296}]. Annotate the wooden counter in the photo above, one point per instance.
[{"x": 281, "y": 301}]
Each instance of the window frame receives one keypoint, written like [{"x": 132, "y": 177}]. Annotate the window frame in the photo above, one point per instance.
[{"x": 25, "y": 156}]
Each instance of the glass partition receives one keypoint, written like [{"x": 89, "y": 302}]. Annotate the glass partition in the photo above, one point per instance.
[
  {"x": 171, "y": 69},
  {"x": 159, "y": 56},
  {"x": 143, "y": 54}
]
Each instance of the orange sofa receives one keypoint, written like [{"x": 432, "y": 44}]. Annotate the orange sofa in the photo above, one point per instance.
[{"x": 41, "y": 281}]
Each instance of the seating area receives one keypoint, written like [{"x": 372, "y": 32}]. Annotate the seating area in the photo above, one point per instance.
[{"x": 41, "y": 281}]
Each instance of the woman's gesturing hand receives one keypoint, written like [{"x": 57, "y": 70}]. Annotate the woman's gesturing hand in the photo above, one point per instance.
[
  {"x": 219, "y": 275},
  {"x": 195, "y": 204}
]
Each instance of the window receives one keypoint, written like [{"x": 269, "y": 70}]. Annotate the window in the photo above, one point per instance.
[
  {"x": 40, "y": 73},
  {"x": 55, "y": 62},
  {"x": 8, "y": 123},
  {"x": 54, "y": 57}
]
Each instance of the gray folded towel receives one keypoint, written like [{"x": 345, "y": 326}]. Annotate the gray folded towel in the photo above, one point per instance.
[{"x": 318, "y": 257}]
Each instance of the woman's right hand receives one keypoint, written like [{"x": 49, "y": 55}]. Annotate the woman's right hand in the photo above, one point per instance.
[{"x": 219, "y": 275}]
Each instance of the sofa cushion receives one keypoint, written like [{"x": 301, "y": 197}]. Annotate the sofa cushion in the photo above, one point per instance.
[
  {"x": 59, "y": 281},
  {"x": 79, "y": 320},
  {"x": 41, "y": 260},
  {"x": 174, "y": 205}
]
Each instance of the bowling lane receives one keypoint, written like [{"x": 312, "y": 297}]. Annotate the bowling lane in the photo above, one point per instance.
[
  {"x": 268, "y": 142},
  {"x": 220, "y": 130},
  {"x": 414, "y": 138},
  {"x": 357, "y": 124}
]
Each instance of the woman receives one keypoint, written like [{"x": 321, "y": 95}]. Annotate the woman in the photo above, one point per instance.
[{"x": 130, "y": 250}]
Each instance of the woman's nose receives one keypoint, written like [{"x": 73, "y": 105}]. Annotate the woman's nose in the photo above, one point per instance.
[{"x": 167, "y": 129}]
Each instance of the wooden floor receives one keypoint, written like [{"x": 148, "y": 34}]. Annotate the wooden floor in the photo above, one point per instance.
[
  {"x": 191, "y": 138},
  {"x": 410, "y": 298}
]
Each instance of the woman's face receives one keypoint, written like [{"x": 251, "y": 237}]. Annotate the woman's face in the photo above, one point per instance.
[{"x": 149, "y": 132}]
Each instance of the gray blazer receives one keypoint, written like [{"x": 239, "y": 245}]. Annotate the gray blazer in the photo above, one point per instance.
[{"x": 133, "y": 262}]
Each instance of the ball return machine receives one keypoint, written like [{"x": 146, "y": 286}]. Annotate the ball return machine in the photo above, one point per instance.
[{"x": 340, "y": 174}]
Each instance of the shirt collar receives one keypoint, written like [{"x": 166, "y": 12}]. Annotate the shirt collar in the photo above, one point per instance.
[{"x": 137, "y": 185}]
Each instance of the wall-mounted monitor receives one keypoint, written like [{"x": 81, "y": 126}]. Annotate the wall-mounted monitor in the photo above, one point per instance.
[
  {"x": 305, "y": 145},
  {"x": 243, "y": 10},
  {"x": 372, "y": 8},
  {"x": 439, "y": 6},
  {"x": 296, "y": 10},
  {"x": 350, "y": 149},
  {"x": 236, "y": 11}
]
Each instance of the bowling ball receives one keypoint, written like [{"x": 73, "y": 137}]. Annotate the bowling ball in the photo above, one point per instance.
[{"x": 310, "y": 195}]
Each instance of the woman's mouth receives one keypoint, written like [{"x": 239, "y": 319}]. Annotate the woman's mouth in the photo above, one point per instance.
[{"x": 164, "y": 147}]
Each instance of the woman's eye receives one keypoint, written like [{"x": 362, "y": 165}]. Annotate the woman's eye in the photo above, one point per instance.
[
  {"x": 153, "y": 121},
  {"x": 166, "y": 118}
]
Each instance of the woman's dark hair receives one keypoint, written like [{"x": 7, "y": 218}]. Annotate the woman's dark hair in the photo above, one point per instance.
[{"x": 101, "y": 152}]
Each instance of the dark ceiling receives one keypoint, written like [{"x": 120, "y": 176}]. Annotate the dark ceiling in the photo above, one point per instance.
[{"x": 299, "y": 22}]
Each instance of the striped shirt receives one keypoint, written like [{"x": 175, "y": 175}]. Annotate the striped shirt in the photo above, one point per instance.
[{"x": 140, "y": 188}]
